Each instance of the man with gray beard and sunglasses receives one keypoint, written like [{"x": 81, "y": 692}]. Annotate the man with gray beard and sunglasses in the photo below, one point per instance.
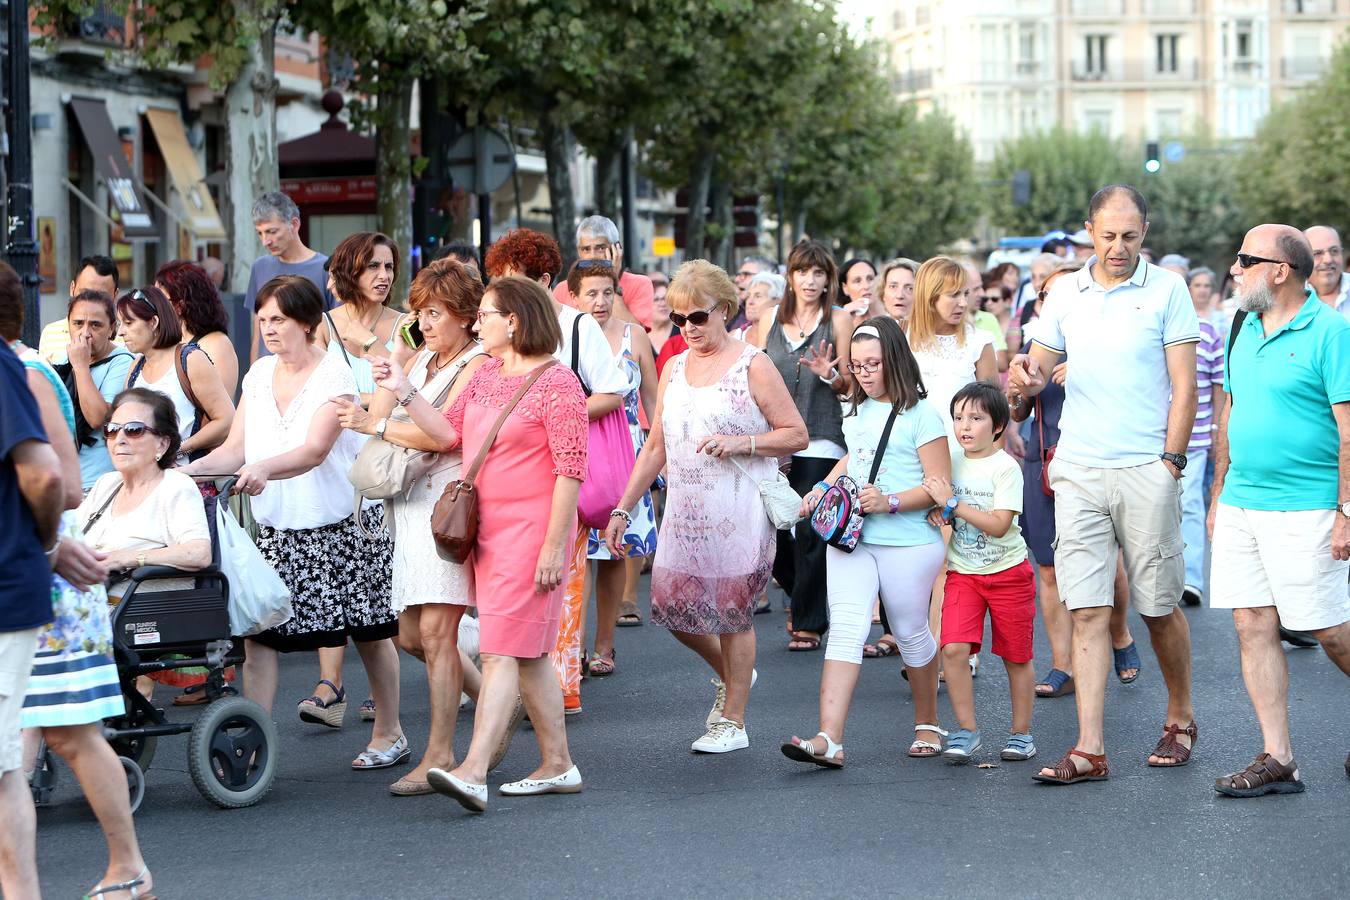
[{"x": 1281, "y": 526}]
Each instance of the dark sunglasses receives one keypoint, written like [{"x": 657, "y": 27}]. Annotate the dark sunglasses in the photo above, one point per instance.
[
  {"x": 133, "y": 429},
  {"x": 1246, "y": 261},
  {"x": 697, "y": 317}
]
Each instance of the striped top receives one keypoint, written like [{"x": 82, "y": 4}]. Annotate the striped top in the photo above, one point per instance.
[{"x": 1208, "y": 375}]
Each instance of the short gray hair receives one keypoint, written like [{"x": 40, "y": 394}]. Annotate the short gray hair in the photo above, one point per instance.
[
  {"x": 1047, "y": 260},
  {"x": 274, "y": 205},
  {"x": 900, "y": 262},
  {"x": 1197, "y": 272},
  {"x": 1174, "y": 259},
  {"x": 598, "y": 225},
  {"x": 765, "y": 264},
  {"x": 777, "y": 283}
]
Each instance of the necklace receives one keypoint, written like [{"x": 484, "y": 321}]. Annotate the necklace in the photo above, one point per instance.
[{"x": 435, "y": 365}]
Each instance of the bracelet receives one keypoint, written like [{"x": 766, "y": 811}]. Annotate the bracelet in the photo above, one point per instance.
[
  {"x": 752, "y": 445},
  {"x": 407, "y": 398},
  {"x": 621, "y": 514},
  {"x": 822, "y": 486},
  {"x": 829, "y": 382},
  {"x": 52, "y": 552}
]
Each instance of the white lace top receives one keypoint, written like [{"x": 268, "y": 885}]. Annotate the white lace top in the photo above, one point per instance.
[{"x": 950, "y": 366}]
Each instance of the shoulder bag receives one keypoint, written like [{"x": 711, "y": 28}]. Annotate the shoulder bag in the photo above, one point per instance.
[
  {"x": 454, "y": 519},
  {"x": 838, "y": 517},
  {"x": 1047, "y": 453},
  {"x": 384, "y": 471},
  {"x": 610, "y": 457}
]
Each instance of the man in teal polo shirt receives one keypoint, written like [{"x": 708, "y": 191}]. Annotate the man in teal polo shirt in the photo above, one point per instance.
[{"x": 1281, "y": 528}]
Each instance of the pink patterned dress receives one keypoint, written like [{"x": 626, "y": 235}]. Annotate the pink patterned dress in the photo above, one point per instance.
[
  {"x": 544, "y": 437},
  {"x": 716, "y": 544}
]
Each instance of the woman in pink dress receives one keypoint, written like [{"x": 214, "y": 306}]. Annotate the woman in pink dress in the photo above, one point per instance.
[
  {"x": 527, "y": 507},
  {"x": 723, "y": 416}
]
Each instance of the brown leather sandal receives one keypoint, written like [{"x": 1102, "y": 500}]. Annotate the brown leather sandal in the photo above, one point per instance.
[
  {"x": 1170, "y": 748},
  {"x": 1264, "y": 776},
  {"x": 1065, "y": 772}
]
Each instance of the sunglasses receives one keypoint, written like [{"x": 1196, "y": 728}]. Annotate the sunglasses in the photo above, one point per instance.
[
  {"x": 697, "y": 317},
  {"x": 1247, "y": 260},
  {"x": 132, "y": 429}
]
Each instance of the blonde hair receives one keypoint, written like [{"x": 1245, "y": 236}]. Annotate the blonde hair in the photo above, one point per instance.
[
  {"x": 698, "y": 281},
  {"x": 937, "y": 276}
]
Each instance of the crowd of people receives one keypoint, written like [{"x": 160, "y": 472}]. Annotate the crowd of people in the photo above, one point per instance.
[{"x": 906, "y": 444}]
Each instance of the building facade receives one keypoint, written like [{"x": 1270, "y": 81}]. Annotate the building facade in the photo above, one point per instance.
[{"x": 1137, "y": 69}]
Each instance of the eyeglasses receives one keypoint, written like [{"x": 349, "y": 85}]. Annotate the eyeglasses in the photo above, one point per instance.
[
  {"x": 1246, "y": 261},
  {"x": 993, "y": 298},
  {"x": 483, "y": 312},
  {"x": 869, "y": 368},
  {"x": 697, "y": 317},
  {"x": 132, "y": 429}
]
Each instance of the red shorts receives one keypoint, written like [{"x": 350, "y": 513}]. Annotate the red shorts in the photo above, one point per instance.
[{"x": 1010, "y": 598}]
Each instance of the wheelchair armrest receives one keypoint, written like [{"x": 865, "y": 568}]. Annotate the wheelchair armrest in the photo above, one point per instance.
[{"x": 153, "y": 573}]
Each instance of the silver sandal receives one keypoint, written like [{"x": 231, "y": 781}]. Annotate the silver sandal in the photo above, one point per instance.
[
  {"x": 131, "y": 887},
  {"x": 370, "y": 758}
]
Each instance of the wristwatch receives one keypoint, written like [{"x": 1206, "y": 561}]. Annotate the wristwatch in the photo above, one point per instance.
[
  {"x": 1345, "y": 509},
  {"x": 949, "y": 509},
  {"x": 1176, "y": 459},
  {"x": 380, "y": 426},
  {"x": 894, "y": 501}
]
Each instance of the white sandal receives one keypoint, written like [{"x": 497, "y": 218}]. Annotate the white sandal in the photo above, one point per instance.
[
  {"x": 370, "y": 758},
  {"x": 926, "y": 749},
  {"x": 805, "y": 751}
]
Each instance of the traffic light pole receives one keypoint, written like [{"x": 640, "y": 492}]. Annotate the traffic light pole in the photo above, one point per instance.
[{"x": 21, "y": 250}]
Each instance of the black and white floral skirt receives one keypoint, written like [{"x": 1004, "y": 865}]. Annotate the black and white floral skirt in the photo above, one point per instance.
[{"x": 339, "y": 580}]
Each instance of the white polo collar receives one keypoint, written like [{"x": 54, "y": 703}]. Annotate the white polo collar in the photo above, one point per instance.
[{"x": 1086, "y": 282}]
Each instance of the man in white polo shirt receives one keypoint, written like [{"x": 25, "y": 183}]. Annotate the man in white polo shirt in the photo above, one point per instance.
[
  {"x": 1130, "y": 403},
  {"x": 1329, "y": 278}
]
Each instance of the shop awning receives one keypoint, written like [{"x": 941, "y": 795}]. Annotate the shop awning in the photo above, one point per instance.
[
  {"x": 112, "y": 166},
  {"x": 186, "y": 176}
]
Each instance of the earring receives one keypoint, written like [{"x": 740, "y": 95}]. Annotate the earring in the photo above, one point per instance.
[{"x": 510, "y": 334}]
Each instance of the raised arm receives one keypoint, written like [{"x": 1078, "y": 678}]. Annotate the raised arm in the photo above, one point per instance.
[{"x": 229, "y": 456}]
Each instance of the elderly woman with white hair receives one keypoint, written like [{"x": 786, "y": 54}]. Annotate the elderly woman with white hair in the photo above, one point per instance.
[
  {"x": 763, "y": 294},
  {"x": 598, "y": 238}
]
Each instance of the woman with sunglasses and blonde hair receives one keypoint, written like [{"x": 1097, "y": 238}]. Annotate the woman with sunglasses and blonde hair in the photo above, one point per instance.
[{"x": 723, "y": 417}]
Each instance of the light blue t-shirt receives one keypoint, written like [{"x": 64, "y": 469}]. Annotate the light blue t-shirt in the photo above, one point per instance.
[
  {"x": 900, "y": 468},
  {"x": 111, "y": 378},
  {"x": 265, "y": 268},
  {"x": 1118, "y": 392},
  {"x": 1282, "y": 437}
]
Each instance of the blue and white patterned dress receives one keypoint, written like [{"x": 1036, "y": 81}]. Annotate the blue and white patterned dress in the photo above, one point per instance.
[{"x": 640, "y": 537}]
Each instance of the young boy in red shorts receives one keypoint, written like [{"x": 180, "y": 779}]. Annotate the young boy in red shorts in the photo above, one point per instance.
[{"x": 987, "y": 567}]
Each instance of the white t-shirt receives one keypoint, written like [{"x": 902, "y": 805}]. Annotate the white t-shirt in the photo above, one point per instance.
[
  {"x": 172, "y": 514},
  {"x": 988, "y": 484},
  {"x": 596, "y": 366},
  {"x": 950, "y": 366},
  {"x": 323, "y": 495},
  {"x": 1118, "y": 392}
]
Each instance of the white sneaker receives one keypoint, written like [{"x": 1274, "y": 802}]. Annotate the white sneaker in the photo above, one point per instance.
[
  {"x": 723, "y": 736},
  {"x": 568, "y": 782},
  {"x": 720, "y": 702}
]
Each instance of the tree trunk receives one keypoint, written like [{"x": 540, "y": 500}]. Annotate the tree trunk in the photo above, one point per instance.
[
  {"x": 700, "y": 180},
  {"x": 607, "y": 163},
  {"x": 251, "y": 158},
  {"x": 393, "y": 174},
  {"x": 562, "y": 202}
]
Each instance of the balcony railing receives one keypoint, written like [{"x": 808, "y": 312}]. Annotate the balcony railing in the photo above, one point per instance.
[
  {"x": 1310, "y": 8},
  {"x": 1302, "y": 68},
  {"x": 1097, "y": 7},
  {"x": 1170, "y": 8},
  {"x": 913, "y": 81},
  {"x": 1137, "y": 70}
]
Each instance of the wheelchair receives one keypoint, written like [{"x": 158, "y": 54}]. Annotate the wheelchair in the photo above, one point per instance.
[{"x": 231, "y": 744}]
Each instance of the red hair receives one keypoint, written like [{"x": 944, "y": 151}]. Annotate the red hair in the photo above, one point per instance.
[{"x": 526, "y": 252}]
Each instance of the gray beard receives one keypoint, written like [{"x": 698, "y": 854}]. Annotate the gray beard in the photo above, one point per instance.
[{"x": 1257, "y": 299}]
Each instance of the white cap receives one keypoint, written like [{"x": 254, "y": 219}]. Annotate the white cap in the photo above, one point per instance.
[{"x": 1081, "y": 238}]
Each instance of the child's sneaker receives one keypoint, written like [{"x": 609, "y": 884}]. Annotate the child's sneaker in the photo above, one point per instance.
[
  {"x": 1020, "y": 747},
  {"x": 961, "y": 745}
]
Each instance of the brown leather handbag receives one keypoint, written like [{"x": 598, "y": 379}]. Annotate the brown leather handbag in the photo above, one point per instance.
[
  {"x": 1047, "y": 453},
  {"x": 454, "y": 519}
]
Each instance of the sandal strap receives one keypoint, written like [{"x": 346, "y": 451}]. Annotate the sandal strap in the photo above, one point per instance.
[
  {"x": 1171, "y": 748},
  {"x": 1065, "y": 770},
  {"x": 1265, "y": 769},
  {"x": 933, "y": 728},
  {"x": 831, "y": 748}
]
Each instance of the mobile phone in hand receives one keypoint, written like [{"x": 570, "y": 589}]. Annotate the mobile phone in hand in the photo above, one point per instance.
[{"x": 411, "y": 332}]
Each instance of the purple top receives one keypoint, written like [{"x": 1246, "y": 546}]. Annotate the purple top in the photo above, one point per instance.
[{"x": 1208, "y": 374}]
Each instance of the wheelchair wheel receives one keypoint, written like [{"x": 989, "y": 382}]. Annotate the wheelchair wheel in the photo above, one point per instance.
[
  {"x": 230, "y": 753},
  {"x": 135, "y": 782},
  {"x": 139, "y": 750}
]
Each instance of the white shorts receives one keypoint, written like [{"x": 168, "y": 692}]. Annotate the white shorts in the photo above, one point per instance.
[
  {"x": 1280, "y": 559},
  {"x": 16, "y": 663}
]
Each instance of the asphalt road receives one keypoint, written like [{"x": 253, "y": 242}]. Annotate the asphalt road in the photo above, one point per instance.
[{"x": 658, "y": 820}]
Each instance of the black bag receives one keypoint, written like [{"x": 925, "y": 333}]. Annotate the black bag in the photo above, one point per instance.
[{"x": 84, "y": 432}]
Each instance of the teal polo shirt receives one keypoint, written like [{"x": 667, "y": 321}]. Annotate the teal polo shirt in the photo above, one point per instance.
[{"x": 1282, "y": 436}]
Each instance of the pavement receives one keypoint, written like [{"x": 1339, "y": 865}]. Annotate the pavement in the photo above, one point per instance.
[{"x": 656, "y": 820}]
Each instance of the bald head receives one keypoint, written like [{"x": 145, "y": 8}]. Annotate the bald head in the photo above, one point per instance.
[
  {"x": 1328, "y": 261},
  {"x": 1278, "y": 283}
]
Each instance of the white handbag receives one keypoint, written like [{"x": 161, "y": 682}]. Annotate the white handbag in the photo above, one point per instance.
[
  {"x": 781, "y": 503},
  {"x": 259, "y": 599}
]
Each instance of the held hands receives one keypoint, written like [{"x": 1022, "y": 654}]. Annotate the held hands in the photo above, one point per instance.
[
  {"x": 723, "y": 446},
  {"x": 821, "y": 359},
  {"x": 940, "y": 489},
  {"x": 251, "y": 479},
  {"x": 549, "y": 570},
  {"x": 353, "y": 416},
  {"x": 873, "y": 501},
  {"x": 1024, "y": 375},
  {"x": 388, "y": 375},
  {"x": 935, "y": 518}
]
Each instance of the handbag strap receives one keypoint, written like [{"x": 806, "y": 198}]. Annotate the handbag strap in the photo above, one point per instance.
[
  {"x": 881, "y": 445},
  {"x": 338, "y": 336},
  {"x": 501, "y": 420},
  {"x": 102, "y": 509},
  {"x": 576, "y": 353},
  {"x": 1040, "y": 427}
]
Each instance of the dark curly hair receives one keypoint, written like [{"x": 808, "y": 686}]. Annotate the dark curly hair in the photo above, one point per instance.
[
  {"x": 349, "y": 261},
  {"x": 194, "y": 297},
  {"x": 526, "y": 252},
  {"x": 164, "y": 418}
]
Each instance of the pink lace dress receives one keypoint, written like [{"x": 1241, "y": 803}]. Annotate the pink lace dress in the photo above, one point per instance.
[
  {"x": 544, "y": 437},
  {"x": 716, "y": 545}
]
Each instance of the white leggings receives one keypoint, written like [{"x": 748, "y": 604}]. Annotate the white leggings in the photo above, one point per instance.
[{"x": 904, "y": 577}]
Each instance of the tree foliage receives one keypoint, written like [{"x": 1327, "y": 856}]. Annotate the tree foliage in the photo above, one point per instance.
[
  {"x": 1193, "y": 205},
  {"x": 1066, "y": 168},
  {"x": 1297, "y": 169}
]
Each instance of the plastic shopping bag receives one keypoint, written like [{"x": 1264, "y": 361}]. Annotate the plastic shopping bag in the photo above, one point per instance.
[{"x": 259, "y": 600}]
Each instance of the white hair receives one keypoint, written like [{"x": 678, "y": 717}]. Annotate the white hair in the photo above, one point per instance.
[
  {"x": 777, "y": 284},
  {"x": 1046, "y": 260},
  {"x": 599, "y": 226}
]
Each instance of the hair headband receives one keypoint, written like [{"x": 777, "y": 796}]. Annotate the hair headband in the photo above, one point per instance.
[{"x": 866, "y": 331}]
